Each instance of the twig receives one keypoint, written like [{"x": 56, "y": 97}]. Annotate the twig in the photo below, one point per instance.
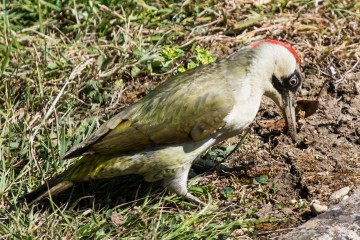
[{"x": 273, "y": 231}]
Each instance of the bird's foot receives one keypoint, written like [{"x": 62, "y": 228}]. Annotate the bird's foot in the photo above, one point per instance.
[
  {"x": 188, "y": 196},
  {"x": 178, "y": 184}
]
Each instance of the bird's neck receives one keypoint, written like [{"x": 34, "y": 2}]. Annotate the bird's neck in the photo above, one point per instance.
[{"x": 247, "y": 95}]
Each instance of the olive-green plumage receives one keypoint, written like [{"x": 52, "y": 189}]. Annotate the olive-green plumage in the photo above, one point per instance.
[
  {"x": 160, "y": 135},
  {"x": 187, "y": 107}
]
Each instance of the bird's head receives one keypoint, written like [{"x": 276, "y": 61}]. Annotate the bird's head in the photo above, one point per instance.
[{"x": 282, "y": 76}]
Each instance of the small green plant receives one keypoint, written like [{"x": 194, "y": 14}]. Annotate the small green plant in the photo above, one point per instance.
[
  {"x": 227, "y": 193},
  {"x": 171, "y": 58},
  {"x": 300, "y": 204},
  {"x": 165, "y": 59},
  {"x": 280, "y": 206},
  {"x": 95, "y": 92},
  {"x": 260, "y": 180},
  {"x": 219, "y": 153},
  {"x": 202, "y": 56},
  {"x": 171, "y": 53},
  {"x": 274, "y": 187}
]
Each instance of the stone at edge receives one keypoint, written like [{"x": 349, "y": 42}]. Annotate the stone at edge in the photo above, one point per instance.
[{"x": 341, "y": 221}]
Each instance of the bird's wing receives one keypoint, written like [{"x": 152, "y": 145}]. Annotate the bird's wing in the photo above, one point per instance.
[{"x": 188, "y": 107}]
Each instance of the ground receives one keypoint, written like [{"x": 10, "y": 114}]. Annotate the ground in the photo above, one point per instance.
[{"x": 65, "y": 69}]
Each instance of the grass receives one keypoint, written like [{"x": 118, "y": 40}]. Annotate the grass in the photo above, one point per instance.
[{"x": 67, "y": 66}]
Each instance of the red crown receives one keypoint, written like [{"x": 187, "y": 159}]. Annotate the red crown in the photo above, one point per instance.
[{"x": 287, "y": 46}]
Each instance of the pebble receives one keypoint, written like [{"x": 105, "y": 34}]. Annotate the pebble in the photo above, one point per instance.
[
  {"x": 339, "y": 193},
  {"x": 317, "y": 208},
  {"x": 345, "y": 197}
]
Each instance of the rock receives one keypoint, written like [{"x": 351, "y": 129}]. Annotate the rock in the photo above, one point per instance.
[
  {"x": 339, "y": 193},
  {"x": 341, "y": 221},
  {"x": 317, "y": 208}
]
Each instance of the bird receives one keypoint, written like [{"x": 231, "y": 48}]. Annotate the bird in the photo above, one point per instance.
[{"x": 162, "y": 134}]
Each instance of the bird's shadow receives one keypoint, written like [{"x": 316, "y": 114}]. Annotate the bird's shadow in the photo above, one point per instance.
[{"x": 124, "y": 191}]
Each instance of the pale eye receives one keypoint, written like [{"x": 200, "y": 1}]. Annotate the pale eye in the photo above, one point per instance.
[{"x": 294, "y": 81}]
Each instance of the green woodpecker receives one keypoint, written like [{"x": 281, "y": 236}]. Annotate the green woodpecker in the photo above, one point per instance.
[{"x": 161, "y": 135}]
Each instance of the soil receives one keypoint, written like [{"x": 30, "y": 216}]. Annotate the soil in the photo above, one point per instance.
[{"x": 325, "y": 158}]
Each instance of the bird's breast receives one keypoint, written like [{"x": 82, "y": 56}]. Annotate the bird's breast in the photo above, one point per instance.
[{"x": 243, "y": 112}]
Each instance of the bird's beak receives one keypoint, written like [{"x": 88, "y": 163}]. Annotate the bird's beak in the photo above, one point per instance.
[{"x": 289, "y": 114}]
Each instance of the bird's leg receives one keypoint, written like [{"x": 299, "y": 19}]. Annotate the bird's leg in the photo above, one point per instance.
[{"x": 178, "y": 184}]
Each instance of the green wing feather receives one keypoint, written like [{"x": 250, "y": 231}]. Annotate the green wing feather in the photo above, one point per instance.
[{"x": 187, "y": 107}]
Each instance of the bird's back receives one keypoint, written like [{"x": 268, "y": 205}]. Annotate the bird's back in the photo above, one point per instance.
[{"x": 188, "y": 107}]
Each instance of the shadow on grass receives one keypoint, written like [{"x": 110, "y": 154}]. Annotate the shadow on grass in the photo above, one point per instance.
[{"x": 122, "y": 191}]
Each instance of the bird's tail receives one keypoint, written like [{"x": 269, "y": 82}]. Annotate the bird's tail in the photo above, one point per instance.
[
  {"x": 59, "y": 183},
  {"x": 86, "y": 168},
  {"x": 49, "y": 188}
]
